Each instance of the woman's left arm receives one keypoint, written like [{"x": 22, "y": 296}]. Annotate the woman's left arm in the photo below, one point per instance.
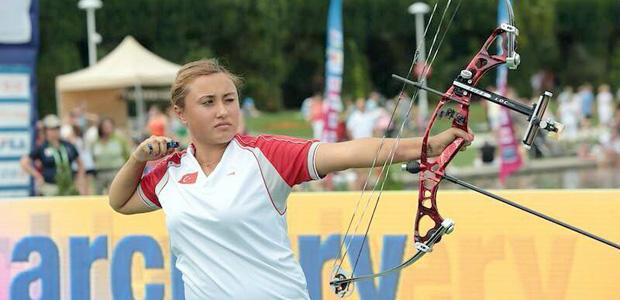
[{"x": 361, "y": 153}]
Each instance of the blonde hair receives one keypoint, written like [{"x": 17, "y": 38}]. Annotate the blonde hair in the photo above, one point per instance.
[{"x": 192, "y": 70}]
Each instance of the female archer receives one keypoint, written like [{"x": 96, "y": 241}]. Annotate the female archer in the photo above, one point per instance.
[{"x": 224, "y": 197}]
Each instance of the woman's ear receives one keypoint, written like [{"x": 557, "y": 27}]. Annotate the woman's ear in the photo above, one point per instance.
[{"x": 180, "y": 112}]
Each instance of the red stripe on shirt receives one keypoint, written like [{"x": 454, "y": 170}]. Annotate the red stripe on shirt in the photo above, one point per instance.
[{"x": 287, "y": 154}]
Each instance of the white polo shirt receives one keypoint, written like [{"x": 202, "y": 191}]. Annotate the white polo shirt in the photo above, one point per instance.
[{"x": 228, "y": 230}]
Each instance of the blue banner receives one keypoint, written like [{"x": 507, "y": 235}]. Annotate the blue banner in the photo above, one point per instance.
[
  {"x": 19, "y": 43},
  {"x": 334, "y": 64}
]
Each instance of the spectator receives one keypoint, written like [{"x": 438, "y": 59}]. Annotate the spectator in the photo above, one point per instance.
[
  {"x": 569, "y": 113},
  {"x": 383, "y": 124},
  {"x": 613, "y": 147},
  {"x": 399, "y": 106},
  {"x": 374, "y": 100},
  {"x": 157, "y": 124},
  {"x": 110, "y": 152},
  {"x": 55, "y": 156},
  {"x": 91, "y": 134},
  {"x": 74, "y": 136},
  {"x": 249, "y": 107},
  {"x": 604, "y": 101},
  {"x": 39, "y": 137},
  {"x": 360, "y": 125},
  {"x": 587, "y": 100},
  {"x": 349, "y": 108},
  {"x": 361, "y": 122},
  {"x": 566, "y": 95},
  {"x": 77, "y": 117},
  {"x": 312, "y": 110}
]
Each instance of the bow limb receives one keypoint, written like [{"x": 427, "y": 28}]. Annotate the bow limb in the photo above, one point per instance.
[{"x": 341, "y": 285}]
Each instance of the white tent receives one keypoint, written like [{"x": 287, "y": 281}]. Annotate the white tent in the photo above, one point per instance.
[{"x": 99, "y": 86}]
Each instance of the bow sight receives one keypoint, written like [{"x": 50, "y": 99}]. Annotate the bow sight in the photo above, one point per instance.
[{"x": 533, "y": 113}]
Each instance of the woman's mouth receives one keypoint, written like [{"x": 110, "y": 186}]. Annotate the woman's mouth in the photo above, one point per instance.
[{"x": 223, "y": 125}]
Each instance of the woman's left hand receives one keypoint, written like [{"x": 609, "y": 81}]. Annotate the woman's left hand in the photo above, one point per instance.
[{"x": 439, "y": 142}]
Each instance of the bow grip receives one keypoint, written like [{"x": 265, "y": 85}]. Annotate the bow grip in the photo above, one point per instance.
[{"x": 536, "y": 118}]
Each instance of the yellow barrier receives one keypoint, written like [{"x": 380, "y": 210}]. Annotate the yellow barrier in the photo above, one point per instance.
[{"x": 495, "y": 252}]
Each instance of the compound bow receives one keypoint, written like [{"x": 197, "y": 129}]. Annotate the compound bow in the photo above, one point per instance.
[{"x": 432, "y": 172}]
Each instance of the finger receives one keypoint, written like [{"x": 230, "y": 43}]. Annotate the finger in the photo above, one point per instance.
[
  {"x": 163, "y": 146},
  {"x": 471, "y": 134},
  {"x": 148, "y": 148},
  {"x": 156, "y": 149},
  {"x": 458, "y": 133},
  {"x": 468, "y": 136}
]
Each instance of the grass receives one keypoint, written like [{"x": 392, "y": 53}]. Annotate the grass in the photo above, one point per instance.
[{"x": 291, "y": 123}]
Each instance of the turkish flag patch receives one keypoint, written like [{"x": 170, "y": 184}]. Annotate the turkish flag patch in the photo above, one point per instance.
[{"x": 189, "y": 178}]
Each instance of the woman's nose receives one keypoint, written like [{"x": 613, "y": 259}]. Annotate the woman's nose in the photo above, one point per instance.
[{"x": 221, "y": 109}]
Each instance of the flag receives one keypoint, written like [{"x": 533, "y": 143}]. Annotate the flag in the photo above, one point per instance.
[
  {"x": 334, "y": 64},
  {"x": 510, "y": 157}
]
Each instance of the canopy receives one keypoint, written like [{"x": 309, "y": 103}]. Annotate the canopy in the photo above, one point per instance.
[{"x": 128, "y": 65}]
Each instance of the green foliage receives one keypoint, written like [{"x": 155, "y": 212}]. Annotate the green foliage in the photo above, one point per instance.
[
  {"x": 356, "y": 81},
  {"x": 278, "y": 46}
]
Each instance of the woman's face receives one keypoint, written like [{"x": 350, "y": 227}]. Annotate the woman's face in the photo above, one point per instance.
[
  {"x": 107, "y": 127},
  {"x": 211, "y": 110}
]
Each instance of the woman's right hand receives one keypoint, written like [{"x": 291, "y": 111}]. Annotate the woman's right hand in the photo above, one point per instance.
[{"x": 153, "y": 148}]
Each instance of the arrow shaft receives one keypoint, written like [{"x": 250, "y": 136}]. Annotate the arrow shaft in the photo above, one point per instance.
[{"x": 531, "y": 211}]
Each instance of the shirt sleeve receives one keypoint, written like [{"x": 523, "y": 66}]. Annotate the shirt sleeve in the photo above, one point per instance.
[
  {"x": 35, "y": 153},
  {"x": 148, "y": 187},
  {"x": 293, "y": 158}
]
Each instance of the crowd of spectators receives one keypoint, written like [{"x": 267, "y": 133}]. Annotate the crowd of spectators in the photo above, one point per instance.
[
  {"x": 82, "y": 153},
  {"x": 363, "y": 117},
  {"x": 592, "y": 120}
]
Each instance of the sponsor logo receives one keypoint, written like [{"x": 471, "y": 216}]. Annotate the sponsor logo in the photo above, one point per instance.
[
  {"x": 14, "y": 144},
  {"x": 14, "y": 86},
  {"x": 15, "y": 114}
]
